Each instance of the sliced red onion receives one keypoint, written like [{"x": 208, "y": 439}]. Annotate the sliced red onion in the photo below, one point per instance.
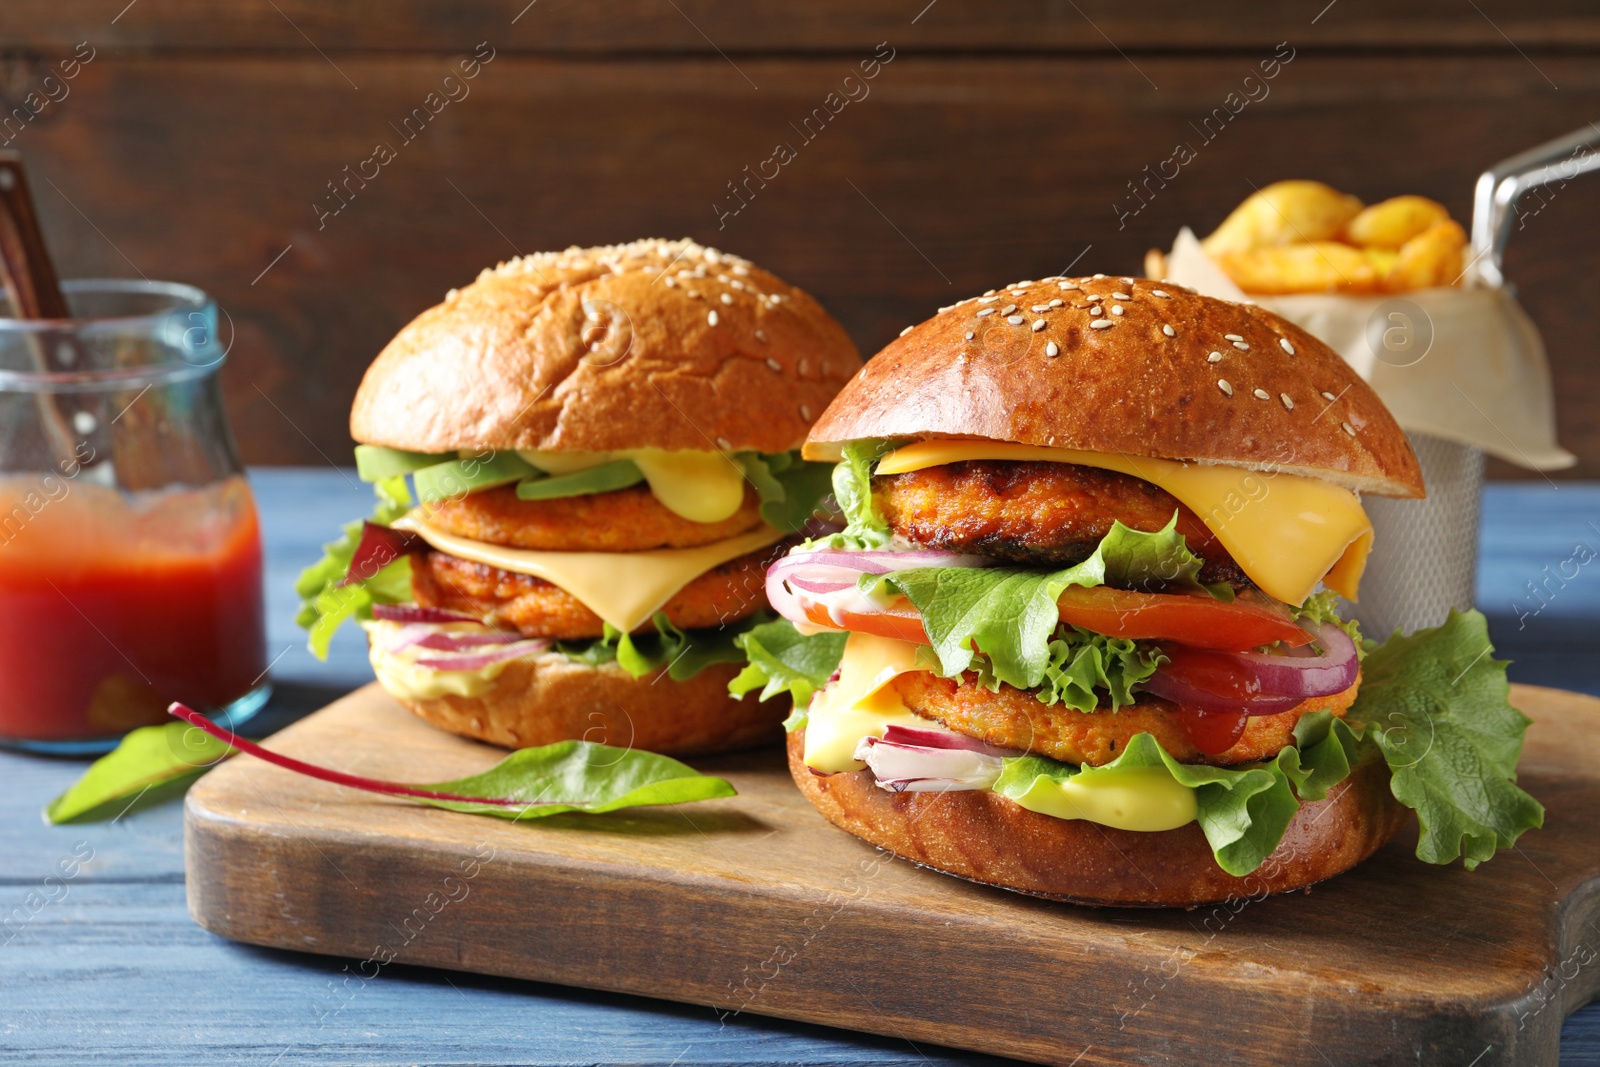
[
  {"x": 824, "y": 571},
  {"x": 1286, "y": 680},
  {"x": 903, "y": 768},
  {"x": 478, "y": 660},
  {"x": 379, "y": 546},
  {"x": 930, "y": 738},
  {"x": 459, "y": 641},
  {"x": 418, "y": 613}
]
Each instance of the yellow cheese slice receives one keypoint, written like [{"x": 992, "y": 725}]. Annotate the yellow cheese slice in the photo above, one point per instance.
[
  {"x": 1286, "y": 531},
  {"x": 857, "y": 705},
  {"x": 623, "y": 588},
  {"x": 700, "y": 486}
]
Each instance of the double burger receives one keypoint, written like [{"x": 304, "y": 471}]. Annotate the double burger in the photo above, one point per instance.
[
  {"x": 584, "y": 462},
  {"x": 1080, "y": 636}
]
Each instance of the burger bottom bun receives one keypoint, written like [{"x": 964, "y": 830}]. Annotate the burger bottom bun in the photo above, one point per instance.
[
  {"x": 986, "y": 838},
  {"x": 546, "y": 699}
]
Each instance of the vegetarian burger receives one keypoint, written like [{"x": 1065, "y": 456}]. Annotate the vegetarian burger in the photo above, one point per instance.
[
  {"x": 1080, "y": 636},
  {"x": 584, "y": 462}
]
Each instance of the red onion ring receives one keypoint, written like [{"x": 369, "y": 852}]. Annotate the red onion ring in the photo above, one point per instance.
[
  {"x": 901, "y": 768},
  {"x": 417, "y": 613},
  {"x": 1286, "y": 680},
  {"x": 823, "y": 571}
]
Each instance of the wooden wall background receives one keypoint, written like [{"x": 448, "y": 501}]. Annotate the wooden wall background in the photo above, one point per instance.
[{"x": 197, "y": 140}]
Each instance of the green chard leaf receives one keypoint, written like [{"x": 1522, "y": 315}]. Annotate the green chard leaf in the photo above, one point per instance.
[
  {"x": 792, "y": 490},
  {"x": 578, "y": 776},
  {"x": 325, "y": 604},
  {"x": 1438, "y": 707},
  {"x": 1011, "y": 613},
  {"x": 685, "y": 653},
  {"x": 783, "y": 660},
  {"x": 151, "y": 764},
  {"x": 852, "y": 490}
]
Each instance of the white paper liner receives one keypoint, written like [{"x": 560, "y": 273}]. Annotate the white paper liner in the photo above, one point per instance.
[{"x": 1462, "y": 364}]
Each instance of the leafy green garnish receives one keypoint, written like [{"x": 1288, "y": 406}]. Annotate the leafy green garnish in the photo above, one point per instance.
[
  {"x": 1083, "y": 663},
  {"x": 791, "y": 489},
  {"x": 1324, "y": 607},
  {"x": 1011, "y": 613},
  {"x": 150, "y": 765},
  {"x": 685, "y": 653},
  {"x": 852, "y": 490},
  {"x": 1438, "y": 706},
  {"x": 783, "y": 660},
  {"x": 324, "y": 603},
  {"x": 578, "y": 776}
]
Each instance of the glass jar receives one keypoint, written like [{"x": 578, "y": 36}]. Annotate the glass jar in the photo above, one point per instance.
[{"x": 130, "y": 553}]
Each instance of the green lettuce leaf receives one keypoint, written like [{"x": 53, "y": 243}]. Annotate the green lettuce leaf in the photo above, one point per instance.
[
  {"x": 1438, "y": 706},
  {"x": 325, "y": 605},
  {"x": 1083, "y": 664},
  {"x": 1011, "y": 613},
  {"x": 151, "y": 764},
  {"x": 852, "y": 491},
  {"x": 685, "y": 653},
  {"x": 792, "y": 490},
  {"x": 1242, "y": 810},
  {"x": 1323, "y": 607},
  {"x": 783, "y": 660},
  {"x": 578, "y": 776}
]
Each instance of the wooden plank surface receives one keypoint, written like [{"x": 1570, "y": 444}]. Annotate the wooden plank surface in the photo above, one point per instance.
[
  {"x": 955, "y": 172},
  {"x": 754, "y": 904}
]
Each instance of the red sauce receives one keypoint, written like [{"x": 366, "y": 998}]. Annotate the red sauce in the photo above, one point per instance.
[
  {"x": 1213, "y": 732},
  {"x": 113, "y": 606}
]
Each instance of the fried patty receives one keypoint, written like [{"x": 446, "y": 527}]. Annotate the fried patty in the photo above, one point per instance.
[
  {"x": 623, "y": 520},
  {"x": 736, "y": 590},
  {"x": 1036, "y": 513},
  {"x": 1016, "y": 719}
]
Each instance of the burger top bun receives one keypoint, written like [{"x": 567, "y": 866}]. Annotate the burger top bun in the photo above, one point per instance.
[
  {"x": 654, "y": 344},
  {"x": 1127, "y": 365}
]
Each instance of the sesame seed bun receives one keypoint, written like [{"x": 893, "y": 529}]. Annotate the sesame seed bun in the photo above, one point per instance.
[
  {"x": 985, "y": 837},
  {"x": 654, "y": 344},
  {"x": 1172, "y": 374},
  {"x": 545, "y": 699}
]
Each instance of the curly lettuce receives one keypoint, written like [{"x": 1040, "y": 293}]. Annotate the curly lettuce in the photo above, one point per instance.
[{"x": 852, "y": 491}]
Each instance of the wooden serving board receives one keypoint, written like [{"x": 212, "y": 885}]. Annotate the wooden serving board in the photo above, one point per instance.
[{"x": 755, "y": 904}]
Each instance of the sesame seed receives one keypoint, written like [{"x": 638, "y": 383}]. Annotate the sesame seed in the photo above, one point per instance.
[
  {"x": 1052, "y": 349},
  {"x": 727, "y": 298},
  {"x": 987, "y": 299},
  {"x": 1066, "y": 285},
  {"x": 1008, "y": 309},
  {"x": 736, "y": 283},
  {"x": 694, "y": 294},
  {"x": 1262, "y": 394},
  {"x": 805, "y": 412},
  {"x": 1116, "y": 309},
  {"x": 1092, "y": 297},
  {"x": 1329, "y": 397},
  {"x": 1288, "y": 403},
  {"x": 1241, "y": 346},
  {"x": 1038, "y": 325},
  {"x": 970, "y": 335},
  {"x": 671, "y": 283},
  {"x": 1121, "y": 296},
  {"x": 1215, "y": 357},
  {"x": 774, "y": 364},
  {"x": 1097, "y": 310},
  {"x": 1015, "y": 320},
  {"x": 804, "y": 367},
  {"x": 1222, "y": 383},
  {"x": 1162, "y": 293},
  {"x": 761, "y": 335},
  {"x": 1127, "y": 281},
  {"x": 983, "y": 312},
  {"x": 1169, "y": 331},
  {"x": 990, "y": 294},
  {"x": 1099, "y": 276},
  {"x": 1351, "y": 430},
  {"x": 722, "y": 443},
  {"x": 1101, "y": 324},
  {"x": 1018, "y": 292},
  {"x": 1054, "y": 304},
  {"x": 1039, "y": 307},
  {"x": 711, "y": 317},
  {"x": 1283, "y": 343},
  {"x": 907, "y": 330},
  {"x": 1232, "y": 337}
]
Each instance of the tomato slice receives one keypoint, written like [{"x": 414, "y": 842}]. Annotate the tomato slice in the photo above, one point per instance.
[
  {"x": 899, "y": 621},
  {"x": 1213, "y": 731},
  {"x": 1195, "y": 619}
]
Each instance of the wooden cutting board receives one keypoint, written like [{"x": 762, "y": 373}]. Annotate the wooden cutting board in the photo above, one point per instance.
[{"x": 755, "y": 904}]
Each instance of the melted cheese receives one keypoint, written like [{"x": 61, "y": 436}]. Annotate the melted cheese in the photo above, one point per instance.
[
  {"x": 624, "y": 588},
  {"x": 1287, "y": 532},
  {"x": 700, "y": 486},
  {"x": 859, "y": 704}
]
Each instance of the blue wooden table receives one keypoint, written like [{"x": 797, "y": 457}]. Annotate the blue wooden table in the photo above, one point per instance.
[{"x": 111, "y": 970}]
